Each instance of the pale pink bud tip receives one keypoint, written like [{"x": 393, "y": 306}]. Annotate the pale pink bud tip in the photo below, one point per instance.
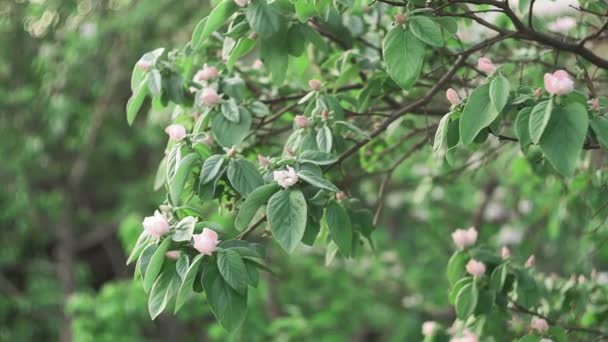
[
  {"x": 156, "y": 226},
  {"x": 241, "y": 3},
  {"x": 231, "y": 153},
  {"x": 176, "y": 132},
  {"x": 314, "y": 85},
  {"x": 558, "y": 83},
  {"x": 341, "y": 196},
  {"x": 210, "y": 97},
  {"x": 505, "y": 253},
  {"x": 257, "y": 64},
  {"x": 486, "y": 65},
  {"x": 263, "y": 160},
  {"x": 286, "y": 178},
  {"x": 476, "y": 268},
  {"x": 531, "y": 261},
  {"x": 540, "y": 325},
  {"x": 365, "y": 8},
  {"x": 429, "y": 327},
  {"x": 174, "y": 255},
  {"x": 452, "y": 96},
  {"x": 595, "y": 104},
  {"x": 538, "y": 92},
  {"x": 464, "y": 238},
  {"x": 325, "y": 115},
  {"x": 206, "y": 73},
  {"x": 206, "y": 242},
  {"x": 467, "y": 336},
  {"x": 301, "y": 121},
  {"x": 400, "y": 18},
  {"x": 143, "y": 65}
]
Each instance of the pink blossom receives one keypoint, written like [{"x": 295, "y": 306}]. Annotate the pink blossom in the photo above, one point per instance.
[
  {"x": 286, "y": 178},
  {"x": 464, "y": 238},
  {"x": 172, "y": 255},
  {"x": 176, "y": 132},
  {"x": 263, "y": 160},
  {"x": 241, "y": 3},
  {"x": 595, "y": 104},
  {"x": 505, "y": 253},
  {"x": 467, "y": 336},
  {"x": 210, "y": 97},
  {"x": 475, "y": 268},
  {"x": 314, "y": 85},
  {"x": 562, "y": 25},
  {"x": 531, "y": 261},
  {"x": 231, "y": 152},
  {"x": 400, "y": 19},
  {"x": 156, "y": 226},
  {"x": 538, "y": 92},
  {"x": 429, "y": 327},
  {"x": 208, "y": 140},
  {"x": 301, "y": 121},
  {"x": 540, "y": 325},
  {"x": 340, "y": 196},
  {"x": 486, "y": 65},
  {"x": 206, "y": 73},
  {"x": 325, "y": 115},
  {"x": 206, "y": 242},
  {"x": 558, "y": 83},
  {"x": 258, "y": 64},
  {"x": 144, "y": 65},
  {"x": 452, "y": 96}
]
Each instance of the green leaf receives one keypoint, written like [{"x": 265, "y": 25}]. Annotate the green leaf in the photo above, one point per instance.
[
  {"x": 230, "y": 110},
  {"x": 498, "y": 277},
  {"x": 499, "y": 92},
  {"x": 466, "y": 301},
  {"x": 305, "y": 9},
  {"x": 316, "y": 180},
  {"x": 522, "y": 125},
  {"x": 539, "y": 118},
  {"x": 144, "y": 260},
  {"x": 324, "y": 139},
  {"x": 286, "y": 211},
  {"x": 564, "y": 137},
  {"x": 229, "y": 133},
  {"x": 441, "y": 136},
  {"x": 398, "y": 46},
  {"x": 350, "y": 127},
  {"x": 599, "y": 125},
  {"x": 259, "y": 109},
  {"x": 266, "y": 20},
  {"x": 188, "y": 280},
  {"x": 136, "y": 101},
  {"x": 244, "y": 176},
  {"x": 425, "y": 29},
  {"x": 340, "y": 227},
  {"x": 216, "y": 19},
  {"x": 232, "y": 268},
  {"x": 156, "y": 264},
  {"x": 478, "y": 113},
  {"x": 252, "y": 203},
  {"x": 164, "y": 289},
  {"x": 154, "y": 82},
  {"x": 274, "y": 52},
  {"x": 142, "y": 242},
  {"x": 228, "y": 306},
  {"x": 181, "y": 177},
  {"x": 455, "y": 269},
  {"x": 182, "y": 264},
  {"x": 243, "y": 46},
  {"x": 455, "y": 289},
  {"x": 211, "y": 168},
  {"x": 317, "y": 157},
  {"x": 184, "y": 229}
]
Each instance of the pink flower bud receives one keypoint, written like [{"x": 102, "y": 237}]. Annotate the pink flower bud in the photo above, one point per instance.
[
  {"x": 475, "y": 268},
  {"x": 540, "y": 325},
  {"x": 156, "y": 226},
  {"x": 365, "y": 8},
  {"x": 429, "y": 327},
  {"x": 325, "y": 115},
  {"x": 505, "y": 253},
  {"x": 467, "y": 336},
  {"x": 231, "y": 153},
  {"x": 208, "y": 140},
  {"x": 258, "y": 64},
  {"x": 464, "y": 238},
  {"x": 341, "y": 196},
  {"x": 400, "y": 19},
  {"x": 206, "y": 242},
  {"x": 144, "y": 65},
  {"x": 562, "y": 25},
  {"x": 286, "y": 178},
  {"x": 206, "y": 73},
  {"x": 452, "y": 96},
  {"x": 301, "y": 121},
  {"x": 241, "y": 3},
  {"x": 538, "y": 92},
  {"x": 558, "y": 83},
  {"x": 485, "y": 65},
  {"x": 289, "y": 152},
  {"x": 174, "y": 255},
  {"x": 253, "y": 36},
  {"x": 531, "y": 261},
  {"x": 210, "y": 97},
  {"x": 314, "y": 85},
  {"x": 176, "y": 132},
  {"x": 595, "y": 104},
  {"x": 263, "y": 160}
]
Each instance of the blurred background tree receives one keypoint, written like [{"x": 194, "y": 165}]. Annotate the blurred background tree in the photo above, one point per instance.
[{"x": 76, "y": 183}]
